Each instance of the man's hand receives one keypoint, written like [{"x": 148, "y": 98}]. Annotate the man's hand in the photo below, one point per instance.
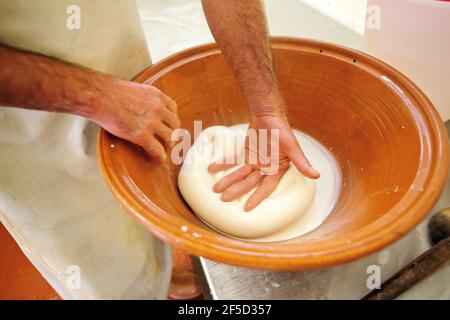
[
  {"x": 251, "y": 176},
  {"x": 136, "y": 112},
  {"x": 141, "y": 114},
  {"x": 240, "y": 30}
]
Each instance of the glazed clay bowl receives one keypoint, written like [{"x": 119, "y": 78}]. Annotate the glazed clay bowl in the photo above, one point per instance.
[{"x": 385, "y": 134}]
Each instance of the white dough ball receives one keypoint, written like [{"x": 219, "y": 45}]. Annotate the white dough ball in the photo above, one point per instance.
[{"x": 290, "y": 200}]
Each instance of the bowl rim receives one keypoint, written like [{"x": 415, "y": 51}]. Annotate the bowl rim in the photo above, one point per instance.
[{"x": 393, "y": 225}]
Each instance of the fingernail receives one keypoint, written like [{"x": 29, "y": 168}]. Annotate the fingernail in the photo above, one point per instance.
[
  {"x": 314, "y": 172},
  {"x": 216, "y": 188},
  {"x": 226, "y": 198}
]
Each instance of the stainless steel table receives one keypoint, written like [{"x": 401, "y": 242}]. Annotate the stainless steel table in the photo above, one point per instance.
[{"x": 223, "y": 282}]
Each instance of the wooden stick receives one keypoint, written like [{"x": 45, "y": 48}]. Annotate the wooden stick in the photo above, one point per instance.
[{"x": 414, "y": 272}]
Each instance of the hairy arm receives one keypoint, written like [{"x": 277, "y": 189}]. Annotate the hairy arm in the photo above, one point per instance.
[
  {"x": 240, "y": 30},
  {"x": 139, "y": 113}
]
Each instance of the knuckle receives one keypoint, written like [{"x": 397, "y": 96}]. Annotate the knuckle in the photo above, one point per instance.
[
  {"x": 158, "y": 93},
  {"x": 151, "y": 124},
  {"x": 159, "y": 108}
]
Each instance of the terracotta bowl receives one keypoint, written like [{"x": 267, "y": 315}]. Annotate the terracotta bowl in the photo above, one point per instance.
[{"x": 385, "y": 134}]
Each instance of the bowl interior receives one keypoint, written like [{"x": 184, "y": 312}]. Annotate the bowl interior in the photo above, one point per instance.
[{"x": 380, "y": 128}]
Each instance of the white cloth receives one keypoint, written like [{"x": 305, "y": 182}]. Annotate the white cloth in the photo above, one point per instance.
[{"x": 53, "y": 199}]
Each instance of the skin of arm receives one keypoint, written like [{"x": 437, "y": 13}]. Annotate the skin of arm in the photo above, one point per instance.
[
  {"x": 240, "y": 30},
  {"x": 138, "y": 113}
]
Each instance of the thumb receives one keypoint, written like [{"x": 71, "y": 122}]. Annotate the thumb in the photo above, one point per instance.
[{"x": 302, "y": 164}]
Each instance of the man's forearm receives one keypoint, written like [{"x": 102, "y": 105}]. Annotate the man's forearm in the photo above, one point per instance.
[
  {"x": 139, "y": 113},
  {"x": 240, "y": 29},
  {"x": 33, "y": 81}
]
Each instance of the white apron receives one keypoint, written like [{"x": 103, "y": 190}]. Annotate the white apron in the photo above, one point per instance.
[{"x": 53, "y": 199}]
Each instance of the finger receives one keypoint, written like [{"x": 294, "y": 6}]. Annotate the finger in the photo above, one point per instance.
[
  {"x": 171, "y": 120},
  {"x": 302, "y": 164},
  {"x": 265, "y": 189},
  {"x": 217, "y": 167},
  {"x": 164, "y": 134},
  {"x": 169, "y": 102},
  {"x": 232, "y": 178},
  {"x": 237, "y": 190},
  {"x": 155, "y": 149}
]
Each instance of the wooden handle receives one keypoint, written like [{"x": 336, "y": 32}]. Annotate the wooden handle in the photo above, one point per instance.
[
  {"x": 184, "y": 284},
  {"x": 414, "y": 272}
]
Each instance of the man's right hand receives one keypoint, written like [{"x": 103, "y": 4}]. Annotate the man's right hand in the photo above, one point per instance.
[
  {"x": 141, "y": 114},
  {"x": 135, "y": 112}
]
